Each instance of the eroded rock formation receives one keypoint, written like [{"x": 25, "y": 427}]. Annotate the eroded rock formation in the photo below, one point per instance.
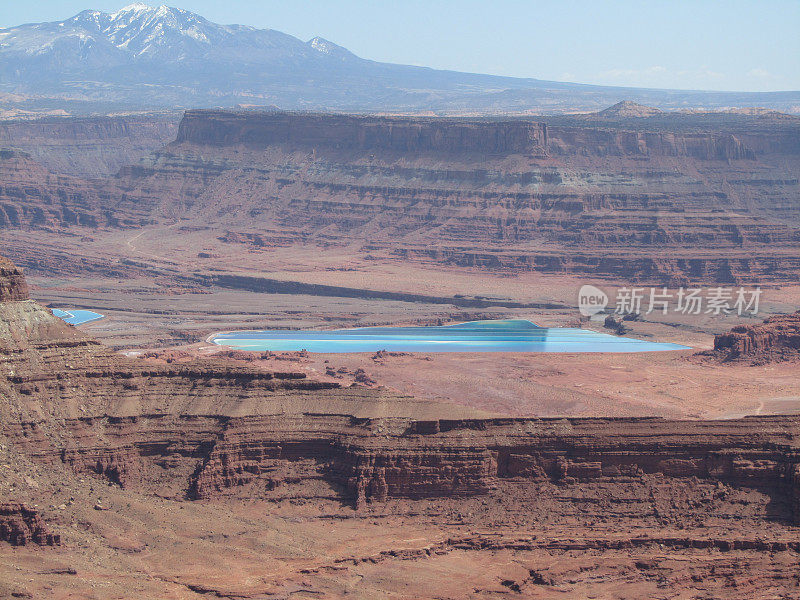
[
  {"x": 778, "y": 338},
  {"x": 626, "y": 494},
  {"x": 352, "y": 133},
  {"x": 33, "y": 197},
  {"x": 667, "y": 199},
  {"x": 21, "y": 525},
  {"x": 452, "y": 137},
  {"x": 206, "y": 429},
  {"x": 700, "y": 201},
  {"x": 12, "y": 282},
  {"x": 376, "y": 459}
]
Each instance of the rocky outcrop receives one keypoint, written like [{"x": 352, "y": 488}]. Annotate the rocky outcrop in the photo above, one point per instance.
[
  {"x": 778, "y": 338},
  {"x": 21, "y": 525},
  {"x": 447, "y": 137},
  {"x": 611, "y": 142},
  {"x": 378, "y": 459},
  {"x": 12, "y": 282}
]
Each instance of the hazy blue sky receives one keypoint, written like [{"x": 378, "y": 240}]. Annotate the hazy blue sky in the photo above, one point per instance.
[{"x": 702, "y": 44}]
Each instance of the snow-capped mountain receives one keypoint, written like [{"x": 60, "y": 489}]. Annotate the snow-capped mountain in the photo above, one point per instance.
[
  {"x": 141, "y": 33},
  {"x": 161, "y": 32},
  {"x": 162, "y": 57},
  {"x": 327, "y": 47}
]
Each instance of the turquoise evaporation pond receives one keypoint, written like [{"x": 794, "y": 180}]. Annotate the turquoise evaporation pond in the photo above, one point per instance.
[
  {"x": 76, "y": 317},
  {"x": 514, "y": 335}
]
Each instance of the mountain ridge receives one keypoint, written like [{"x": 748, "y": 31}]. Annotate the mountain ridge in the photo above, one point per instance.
[{"x": 142, "y": 57}]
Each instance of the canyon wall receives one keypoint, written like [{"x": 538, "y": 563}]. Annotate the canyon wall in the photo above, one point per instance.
[
  {"x": 31, "y": 197},
  {"x": 661, "y": 200},
  {"x": 209, "y": 430},
  {"x": 21, "y": 525},
  {"x": 55, "y": 173},
  {"x": 711, "y": 201},
  {"x": 362, "y": 460},
  {"x": 354, "y": 133},
  {"x": 455, "y": 136},
  {"x": 89, "y": 147}
]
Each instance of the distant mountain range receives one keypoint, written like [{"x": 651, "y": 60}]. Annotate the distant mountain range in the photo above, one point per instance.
[{"x": 142, "y": 58}]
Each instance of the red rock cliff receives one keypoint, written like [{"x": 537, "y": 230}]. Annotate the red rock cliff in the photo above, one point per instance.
[
  {"x": 12, "y": 282},
  {"x": 92, "y": 146},
  {"x": 460, "y": 136},
  {"x": 207, "y": 430},
  {"x": 449, "y": 136},
  {"x": 714, "y": 202},
  {"x": 778, "y": 336}
]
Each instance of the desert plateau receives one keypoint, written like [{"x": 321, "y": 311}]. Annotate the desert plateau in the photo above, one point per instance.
[{"x": 185, "y": 214}]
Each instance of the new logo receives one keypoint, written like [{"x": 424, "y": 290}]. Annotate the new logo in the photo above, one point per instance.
[{"x": 591, "y": 300}]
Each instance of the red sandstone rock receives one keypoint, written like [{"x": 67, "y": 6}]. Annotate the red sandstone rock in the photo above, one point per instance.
[
  {"x": 33, "y": 197},
  {"x": 778, "y": 338},
  {"x": 12, "y": 282},
  {"x": 206, "y": 428},
  {"x": 479, "y": 193},
  {"x": 89, "y": 147},
  {"x": 625, "y": 494},
  {"x": 21, "y": 525},
  {"x": 468, "y": 192}
]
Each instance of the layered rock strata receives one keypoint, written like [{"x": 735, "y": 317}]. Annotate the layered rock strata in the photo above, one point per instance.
[
  {"x": 778, "y": 337},
  {"x": 718, "y": 204},
  {"x": 376, "y": 459},
  {"x": 31, "y": 197},
  {"x": 660, "y": 199},
  {"x": 89, "y": 147},
  {"x": 207, "y": 430},
  {"x": 21, "y": 525},
  {"x": 12, "y": 282}
]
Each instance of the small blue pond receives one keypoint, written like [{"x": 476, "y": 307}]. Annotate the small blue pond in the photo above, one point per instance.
[
  {"x": 77, "y": 317},
  {"x": 514, "y": 335}
]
